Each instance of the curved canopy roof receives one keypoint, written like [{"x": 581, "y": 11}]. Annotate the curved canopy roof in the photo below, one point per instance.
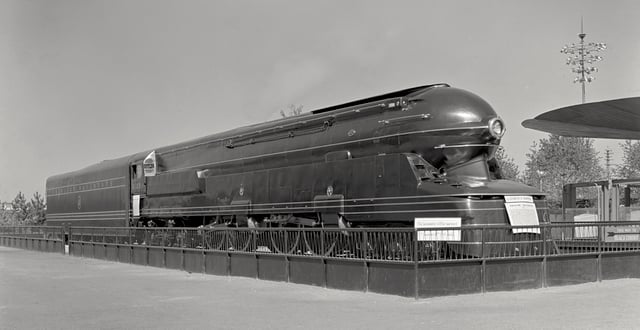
[{"x": 611, "y": 119}]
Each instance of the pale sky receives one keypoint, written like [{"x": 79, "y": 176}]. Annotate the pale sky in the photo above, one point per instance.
[{"x": 86, "y": 80}]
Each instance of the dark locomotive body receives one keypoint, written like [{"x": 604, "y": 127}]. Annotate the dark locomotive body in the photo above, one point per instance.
[{"x": 382, "y": 161}]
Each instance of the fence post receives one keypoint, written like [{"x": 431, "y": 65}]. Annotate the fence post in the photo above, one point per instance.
[
  {"x": 365, "y": 263},
  {"x": 256, "y": 260},
  {"x": 415, "y": 264},
  {"x": 226, "y": 247},
  {"x": 286, "y": 252},
  {"x": 286, "y": 238},
  {"x": 600, "y": 238},
  {"x": 61, "y": 238},
  {"x": 483, "y": 271},
  {"x": 544, "y": 229},
  {"x": 68, "y": 235},
  {"x": 204, "y": 248},
  {"x": 322, "y": 240}
]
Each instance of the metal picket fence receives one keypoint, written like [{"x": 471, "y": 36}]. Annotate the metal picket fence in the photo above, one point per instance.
[
  {"x": 390, "y": 244},
  {"x": 397, "y": 244}
]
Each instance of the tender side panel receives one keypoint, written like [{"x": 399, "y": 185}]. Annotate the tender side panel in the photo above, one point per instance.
[{"x": 95, "y": 196}]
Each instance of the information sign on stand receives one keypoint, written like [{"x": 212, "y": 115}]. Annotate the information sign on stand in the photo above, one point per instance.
[
  {"x": 522, "y": 213},
  {"x": 440, "y": 234}
]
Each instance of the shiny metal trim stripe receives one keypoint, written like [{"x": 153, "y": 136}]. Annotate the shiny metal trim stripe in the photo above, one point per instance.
[
  {"x": 325, "y": 146},
  {"x": 84, "y": 191},
  {"x": 345, "y": 202},
  {"x": 328, "y": 204},
  {"x": 87, "y": 216},
  {"x": 91, "y": 182},
  {"x": 347, "y": 209},
  {"x": 357, "y": 200},
  {"x": 424, "y": 211},
  {"x": 88, "y": 219},
  {"x": 89, "y": 213},
  {"x": 347, "y": 212}
]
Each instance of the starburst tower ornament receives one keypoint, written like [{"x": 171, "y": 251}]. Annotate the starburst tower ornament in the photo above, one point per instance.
[{"x": 581, "y": 58}]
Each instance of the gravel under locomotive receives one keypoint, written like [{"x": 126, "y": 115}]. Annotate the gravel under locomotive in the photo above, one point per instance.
[{"x": 378, "y": 162}]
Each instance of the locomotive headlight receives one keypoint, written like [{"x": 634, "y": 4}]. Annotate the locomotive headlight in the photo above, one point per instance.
[{"x": 496, "y": 127}]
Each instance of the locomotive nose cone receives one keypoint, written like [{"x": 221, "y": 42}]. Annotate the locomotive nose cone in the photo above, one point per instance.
[
  {"x": 467, "y": 125},
  {"x": 457, "y": 107}
]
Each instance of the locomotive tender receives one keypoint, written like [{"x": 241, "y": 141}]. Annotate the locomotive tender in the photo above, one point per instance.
[{"x": 422, "y": 152}]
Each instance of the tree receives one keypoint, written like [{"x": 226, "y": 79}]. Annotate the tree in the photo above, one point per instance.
[
  {"x": 507, "y": 165},
  {"x": 557, "y": 160},
  {"x": 294, "y": 110},
  {"x": 20, "y": 209},
  {"x": 22, "y": 212},
  {"x": 630, "y": 167},
  {"x": 37, "y": 210},
  {"x": 5, "y": 215}
]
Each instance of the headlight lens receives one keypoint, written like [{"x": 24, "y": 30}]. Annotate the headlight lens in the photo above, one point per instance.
[{"x": 496, "y": 127}]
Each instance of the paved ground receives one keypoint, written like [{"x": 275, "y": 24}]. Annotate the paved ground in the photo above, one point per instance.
[{"x": 52, "y": 291}]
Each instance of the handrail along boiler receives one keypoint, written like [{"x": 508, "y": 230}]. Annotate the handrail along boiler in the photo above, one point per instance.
[{"x": 422, "y": 152}]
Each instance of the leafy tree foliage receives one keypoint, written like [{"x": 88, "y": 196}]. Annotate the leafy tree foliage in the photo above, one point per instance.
[
  {"x": 557, "y": 160},
  {"x": 630, "y": 167},
  {"x": 507, "y": 165},
  {"x": 20, "y": 208},
  {"x": 293, "y": 110},
  {"x": 23, "y": 212},
  {"x": 5, "y": 216},
  {"x": 37, "y": 210}
]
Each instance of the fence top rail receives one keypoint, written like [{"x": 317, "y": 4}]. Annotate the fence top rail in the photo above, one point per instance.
[
  {"x": 32, "y": 226},
  {"x": 592, "y": 223},
  {"x": 351, "y": 230}
]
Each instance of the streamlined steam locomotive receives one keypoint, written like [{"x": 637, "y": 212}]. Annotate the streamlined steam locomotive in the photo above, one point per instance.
[{"x": 422, "y": 152}]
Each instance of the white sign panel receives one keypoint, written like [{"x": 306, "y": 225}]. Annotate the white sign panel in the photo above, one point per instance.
[
  {"x": 622, "y": 233},
  {"x": 135, "y": 205},
  {"x": 585, "y": 231},
  {"x": 442, "y": 233},
  {"x": 518, "y": 199},
  {"x": 523, "y": 214}
]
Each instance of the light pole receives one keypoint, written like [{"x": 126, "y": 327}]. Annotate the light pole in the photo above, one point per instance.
[
  {"x": 581, "y": 56},
  {"x": 540, "y": 174}
]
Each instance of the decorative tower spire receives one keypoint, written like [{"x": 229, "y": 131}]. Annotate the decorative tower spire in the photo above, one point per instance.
[{"x": 581, "y": 56}]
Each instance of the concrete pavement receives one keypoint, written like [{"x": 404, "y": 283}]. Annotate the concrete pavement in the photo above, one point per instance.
[{"x": 53, "y": 291}]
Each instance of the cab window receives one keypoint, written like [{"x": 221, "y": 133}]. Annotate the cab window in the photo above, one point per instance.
[{"x": 136, "y": 171}]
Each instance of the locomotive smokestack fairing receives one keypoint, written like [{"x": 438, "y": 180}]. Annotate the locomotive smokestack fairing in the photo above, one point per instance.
[{"x": 422, "y": 152}]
